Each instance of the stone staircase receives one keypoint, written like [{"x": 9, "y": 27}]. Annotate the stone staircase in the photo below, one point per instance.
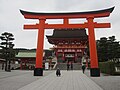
[
  {"x": 77, "y": 66},
  {"x": 63, "y": 66}
]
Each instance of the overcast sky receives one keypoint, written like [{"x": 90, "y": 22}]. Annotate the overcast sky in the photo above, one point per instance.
[{"x": 12, "y": 21}]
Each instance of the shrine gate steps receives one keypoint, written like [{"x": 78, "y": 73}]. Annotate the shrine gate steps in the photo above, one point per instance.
[{"x": 63, "y": 66}]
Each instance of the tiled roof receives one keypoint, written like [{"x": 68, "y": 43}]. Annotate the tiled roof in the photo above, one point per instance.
[
  {"x": 26, "y": 54},
  {"x": 68, "y": 33},
  {"x": 32, "y": 53}
]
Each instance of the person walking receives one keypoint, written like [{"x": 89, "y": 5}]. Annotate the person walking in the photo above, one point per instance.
[
  {"x": 68, "y": 66},
  {"x": 71, "y": 66},
  {"x": 83, "y": 68},
  {"x": 2, "y": 66},
  {"x": 58, "y": 73}
]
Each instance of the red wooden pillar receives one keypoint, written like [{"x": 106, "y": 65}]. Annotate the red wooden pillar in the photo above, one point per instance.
[
  {"x": 82, "y": 52},
  {"x": 56, "y": 52},
  {"x": 57, "y": 55},
  {"x": 66, "y": 21},
  {"x": 75, "y": 56},
  {"x": 39, "y": 53},
  {"x": 21, "y": 66},
  {"x": 25, "y": 64},
  {"x": 94, "y": 71}
]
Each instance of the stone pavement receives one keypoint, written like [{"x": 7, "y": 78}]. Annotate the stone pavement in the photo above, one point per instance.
[
  {"x": 69, "y": 80},
  {"x": 107, "y": 82},
  {"x": 17, "y": 78}
]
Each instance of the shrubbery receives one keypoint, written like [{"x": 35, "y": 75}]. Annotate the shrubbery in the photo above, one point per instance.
[{"x": 107, "y": 67}]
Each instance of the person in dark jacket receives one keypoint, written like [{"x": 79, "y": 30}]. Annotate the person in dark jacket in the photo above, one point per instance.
[
  {"x": 2, "y": 66},
  {"x": 58, "y": 73},
  {"x": 71, "y": 66},
  {"x": 83, "y": 68},
  {"x": 68, "y": 66}
]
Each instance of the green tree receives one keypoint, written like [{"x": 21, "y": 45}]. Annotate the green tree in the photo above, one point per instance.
[
  {"x": 102, "y": 47},
  {"x": 108, "y": 49},
  {"x": 7, "y": 48},
  {"x": 113, "y": 49}
]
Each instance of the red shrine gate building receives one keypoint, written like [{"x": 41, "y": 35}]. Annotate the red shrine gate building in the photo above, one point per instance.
[
  {"x": 69, "y": 44},
  {"x": 89, "y": 23}
]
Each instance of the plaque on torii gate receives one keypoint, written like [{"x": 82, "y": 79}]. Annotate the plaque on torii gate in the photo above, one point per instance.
[{"x": 90, "y": 24}]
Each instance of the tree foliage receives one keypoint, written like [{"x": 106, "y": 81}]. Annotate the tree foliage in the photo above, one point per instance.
[
  {"x": 108, "y": 49},
  {"x": 7, "y": 45}
]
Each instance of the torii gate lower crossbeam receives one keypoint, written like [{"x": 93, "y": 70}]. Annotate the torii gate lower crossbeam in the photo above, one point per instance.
[{"x": 90, "y": 24}]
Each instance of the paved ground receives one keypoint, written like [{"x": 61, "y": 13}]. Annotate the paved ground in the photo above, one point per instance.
[
  {"x": 70, "y": 80},
  {"x": 17, "y": 79},
  {"x": 107, "y": 82}
]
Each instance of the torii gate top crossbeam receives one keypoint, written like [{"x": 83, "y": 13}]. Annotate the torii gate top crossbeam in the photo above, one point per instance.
[{"x": 95, "y": 14}]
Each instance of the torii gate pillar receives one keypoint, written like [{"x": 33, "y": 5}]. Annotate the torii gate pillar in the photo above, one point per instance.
[
  {"x": 94, "y": 70},
  {"x": 90, "y": 24},
  {"x": 39, "y": 53}
]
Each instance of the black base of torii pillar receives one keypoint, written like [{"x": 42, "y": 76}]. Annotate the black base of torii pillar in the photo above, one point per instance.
[
  {"x": 38, "y": 72},
  {"x": 95, "y": 72}
]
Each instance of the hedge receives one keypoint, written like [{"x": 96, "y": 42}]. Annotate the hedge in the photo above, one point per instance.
[{"x": 107, "y": 67}]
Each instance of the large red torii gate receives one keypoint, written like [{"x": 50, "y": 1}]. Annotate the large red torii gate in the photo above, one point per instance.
[{"x": 90, "y": 24}]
